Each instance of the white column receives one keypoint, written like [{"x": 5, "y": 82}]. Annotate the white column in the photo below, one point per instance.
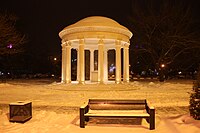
[
  {"x": 100, "y": 61},
  {"x": 78, "y": 72},
  {"x": 91, "y": 63},
  {"x": 106, "y": 65},
  {"x": 126, "y": 63},
  {"x": 118, "y": 62},
  {"x": 81, "y": 61},
  {"x": 63, "y": 62},
  {"x": 68, "y": 62}
]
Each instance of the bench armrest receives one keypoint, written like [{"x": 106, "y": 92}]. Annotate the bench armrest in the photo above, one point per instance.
[
  {"x": 151, "y": 111},
  {"x": 84, "y": 108},
  {"x": 149, "y": 106},
  {"x": 84, "y": 105}
]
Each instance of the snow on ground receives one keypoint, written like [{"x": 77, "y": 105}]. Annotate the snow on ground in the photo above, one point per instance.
[{"x": 56, "y": 106}]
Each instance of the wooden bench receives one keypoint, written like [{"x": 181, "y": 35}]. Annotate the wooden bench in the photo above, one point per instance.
[{"x": 117, "y": 108}]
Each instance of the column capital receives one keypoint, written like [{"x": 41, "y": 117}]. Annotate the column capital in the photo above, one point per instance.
[
  {"x": 126, "y": 45},
  {"x": 63, "y": 40},
  {"x": 106, "y": 50},
  {"x": 68, "y": 43},
  {"x": 117, "y": 42},
  {"x": 81, "y": 41},
  {"x": 63, "y": 44},
  {"x": 92, "y": 50},
  {"x": 101, "y": 42}
]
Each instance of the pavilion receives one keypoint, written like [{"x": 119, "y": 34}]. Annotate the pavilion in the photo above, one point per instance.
[{"x": 95, "y": 33}]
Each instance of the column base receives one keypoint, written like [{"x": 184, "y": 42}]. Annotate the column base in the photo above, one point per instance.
[
  {"x": 126, "y": 81},
  {"x": 63, "y": 82},
  {"x": 101, "y": 82},
  {"x": 67, "y": 82},
  {"x": 81, "y": 82},
  {"x": 117, "y": 82}
]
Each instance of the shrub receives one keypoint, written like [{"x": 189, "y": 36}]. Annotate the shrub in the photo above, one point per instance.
[{"x": 195, "y": 98}]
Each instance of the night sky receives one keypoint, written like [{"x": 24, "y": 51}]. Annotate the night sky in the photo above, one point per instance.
[{"x": 42, "y": 20}]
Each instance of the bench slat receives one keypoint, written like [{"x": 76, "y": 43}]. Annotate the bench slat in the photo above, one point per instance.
[
  {"x": 116, "y": 101},
  {"x": 143, "y": 115},
  {"x": 116, "y": 106},
  {"x": 117, "y": 113}
]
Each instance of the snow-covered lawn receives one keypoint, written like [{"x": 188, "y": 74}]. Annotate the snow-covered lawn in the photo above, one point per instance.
[{"x": 56, "y": 106}]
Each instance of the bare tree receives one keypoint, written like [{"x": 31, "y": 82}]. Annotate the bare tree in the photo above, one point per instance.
[
  {"x": 164, "y": 31},
  {"x": 11, "y": 39}
]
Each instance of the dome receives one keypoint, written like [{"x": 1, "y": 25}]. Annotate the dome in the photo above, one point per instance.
[
  {"x": 96, "y": 21},
  {"x": 96, "y": 24}
]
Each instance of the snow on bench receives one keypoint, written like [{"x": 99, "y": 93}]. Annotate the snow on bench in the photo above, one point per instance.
[{"x": 117, "y": 108}]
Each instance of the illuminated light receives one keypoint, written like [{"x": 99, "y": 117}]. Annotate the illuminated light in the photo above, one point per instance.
[
  {"x": 74, "y": 60},
  {"x": 157, "y": 73},
  {"x": 55, "y": 59},
  {"x": 10, "y": 46},
  {"x": 112, "y": 68},
  {"x": 162, "y": 65},
  {"x": 180, "y": 72}
]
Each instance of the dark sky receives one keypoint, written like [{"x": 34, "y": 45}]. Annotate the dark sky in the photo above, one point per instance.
[{"x": 42, "y": 20}]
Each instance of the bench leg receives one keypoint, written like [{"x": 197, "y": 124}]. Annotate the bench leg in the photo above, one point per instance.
[
  {"x": 147, "y": 119},
  {"x": 87, "y": 118},
  {"x": 152, "y": 119},
  {"x": 82, "y": 118}
]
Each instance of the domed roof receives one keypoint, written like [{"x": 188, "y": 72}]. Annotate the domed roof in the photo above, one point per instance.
[
  {"x": 96, "y": 24},
  {"x": 96, "y": 21}
]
